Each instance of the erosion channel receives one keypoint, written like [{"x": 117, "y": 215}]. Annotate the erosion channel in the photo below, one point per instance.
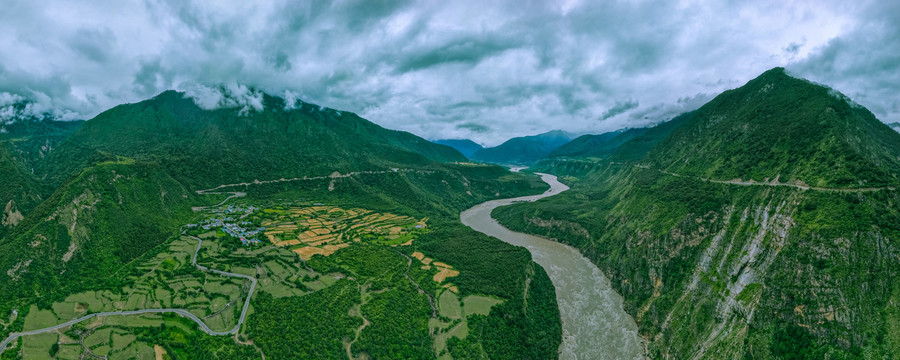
[{"x": 594, "y": 324}]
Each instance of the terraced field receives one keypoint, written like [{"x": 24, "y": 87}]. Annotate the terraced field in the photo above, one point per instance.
[{"x": 322, "y": 230}]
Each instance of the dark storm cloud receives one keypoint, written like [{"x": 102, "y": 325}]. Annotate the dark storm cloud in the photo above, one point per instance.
[{"x": 485, "y": 70}]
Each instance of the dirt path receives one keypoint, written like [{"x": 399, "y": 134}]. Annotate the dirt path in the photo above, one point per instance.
[
  {"x": 430, "y": 299},
  {"x": 357, "y": 310}
]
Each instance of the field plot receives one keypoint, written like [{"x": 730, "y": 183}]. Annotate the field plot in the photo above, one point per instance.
[{"x": 323, "y": 230}]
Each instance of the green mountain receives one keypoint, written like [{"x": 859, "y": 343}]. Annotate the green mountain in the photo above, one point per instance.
[
  {"x": 109, "y": 202},
  {"x": 524, "y": 150},
  {"x": 601, "y": 145},
  {"x": 777, "y": 126},
  {"x": 211, "y": 147},
  {"x": 465, "y": 146},
  {"x": 717, "y": 268}
]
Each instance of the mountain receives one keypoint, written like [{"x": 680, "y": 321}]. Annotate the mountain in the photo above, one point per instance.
[
  {"x": 108, "y": 205},
  {"x": 211, "y": 147},
  {"x": 777, "y": 126},
  {"x": 465, "y": 146},
  {"x": 524, "y": 150},
  {"x": 601, "y": 145},
  {"x": 704, "y": 225},
  {"x": 895, "y": 126}
]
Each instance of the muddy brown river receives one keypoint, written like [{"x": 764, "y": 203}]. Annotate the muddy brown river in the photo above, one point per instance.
[{"x": 594, "y": 324}]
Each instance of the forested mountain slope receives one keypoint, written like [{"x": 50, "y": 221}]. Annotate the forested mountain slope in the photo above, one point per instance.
[
  {"x": 784, "y": 127},
  {"x": 24, "y": 145},
  {"x": 720, "y": 269},
  {"x": 211, "y": 147}
]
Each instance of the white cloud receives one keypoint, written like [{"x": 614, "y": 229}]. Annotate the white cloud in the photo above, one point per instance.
[
  {"x": 228, "y": 96},
  {"x": 484, "y": 70}
]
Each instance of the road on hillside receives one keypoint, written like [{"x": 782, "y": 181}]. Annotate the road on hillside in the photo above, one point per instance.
[
  {"x": 13, "y": 336},
  {"x": 774, "y": 183}
]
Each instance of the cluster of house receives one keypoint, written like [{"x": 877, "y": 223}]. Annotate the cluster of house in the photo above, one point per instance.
[
  {"x": 231, "y": 209},
  {"x": 243, "y": 230},
  {"x": 246, "y": 235}
]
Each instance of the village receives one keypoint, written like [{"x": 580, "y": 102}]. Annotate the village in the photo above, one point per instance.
[{"x": 231, "y": 226}]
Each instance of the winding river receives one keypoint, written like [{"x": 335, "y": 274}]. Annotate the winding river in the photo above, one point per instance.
[{"x": 594, "y": 324}]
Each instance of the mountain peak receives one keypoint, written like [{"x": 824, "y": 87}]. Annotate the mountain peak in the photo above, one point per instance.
[{"x": 779, "y": 126}]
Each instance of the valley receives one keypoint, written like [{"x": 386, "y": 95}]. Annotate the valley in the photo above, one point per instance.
[
  {"x": 463, "y": 180},
  {"x": 282, "y": 268}
]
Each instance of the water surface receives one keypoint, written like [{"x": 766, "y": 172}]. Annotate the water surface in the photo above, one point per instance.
[{"x": 594, "y": 324}]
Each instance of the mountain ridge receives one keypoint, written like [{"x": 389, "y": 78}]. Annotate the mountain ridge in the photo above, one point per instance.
[{"x": 524, "y": 149}]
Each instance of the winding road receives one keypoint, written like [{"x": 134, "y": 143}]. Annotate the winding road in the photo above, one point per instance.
[{"x": 181, "y": 312}]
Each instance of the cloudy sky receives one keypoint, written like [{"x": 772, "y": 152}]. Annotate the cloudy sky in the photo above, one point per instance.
[{"x": 485, "y": 70}]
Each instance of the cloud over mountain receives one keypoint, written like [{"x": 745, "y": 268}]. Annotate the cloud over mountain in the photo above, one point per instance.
[{"x": 481, "y": 70}]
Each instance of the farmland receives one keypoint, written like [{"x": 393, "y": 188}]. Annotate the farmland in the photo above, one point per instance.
[
  {"x": 323, "y": 230},
  {"x": 376, "y": 263}
]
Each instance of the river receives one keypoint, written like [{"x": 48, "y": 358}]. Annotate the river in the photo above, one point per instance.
[{"x": 594, "y": 324}]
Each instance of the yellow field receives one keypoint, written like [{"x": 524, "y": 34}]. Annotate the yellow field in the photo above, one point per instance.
[{"x": 325, "y": 229}]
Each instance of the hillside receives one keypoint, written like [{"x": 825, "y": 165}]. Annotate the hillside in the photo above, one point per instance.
[
  {"x": 24, "y": 144},
  {"x": 718, "y": 269},
  {"x": 524, "y": 150},
  {"x": 210, "y": 147},
  {"x": 465, "y": 146}
]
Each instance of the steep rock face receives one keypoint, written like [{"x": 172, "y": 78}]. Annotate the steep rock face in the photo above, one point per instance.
[{"x": 713, "y": 268}]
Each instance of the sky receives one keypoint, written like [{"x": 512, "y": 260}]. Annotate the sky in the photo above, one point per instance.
[{"x": 484, "y": 70}]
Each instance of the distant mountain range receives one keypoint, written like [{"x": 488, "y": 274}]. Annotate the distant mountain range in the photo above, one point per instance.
[
  {"x": 465, "y": 146},
  {"x": 895, "y": 126},
  {"x": 524, "y": 150}
]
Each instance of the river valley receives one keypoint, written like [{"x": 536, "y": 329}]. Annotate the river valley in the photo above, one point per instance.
[{"x": 594, "y": 324}]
